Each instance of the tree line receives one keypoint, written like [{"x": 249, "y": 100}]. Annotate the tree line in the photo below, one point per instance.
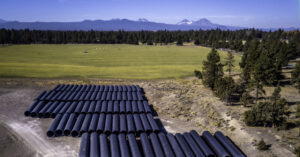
[{"x": 238, "y": 40}]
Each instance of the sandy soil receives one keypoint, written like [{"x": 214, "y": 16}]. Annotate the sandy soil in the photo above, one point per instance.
[{"x": 182, "y": 105}]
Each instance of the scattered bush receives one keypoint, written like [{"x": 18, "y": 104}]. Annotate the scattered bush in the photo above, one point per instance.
[
  {"x": 198, "y": 74},
  {"x": 297, "y": 151},
  {"x": 262, "y": 145}
]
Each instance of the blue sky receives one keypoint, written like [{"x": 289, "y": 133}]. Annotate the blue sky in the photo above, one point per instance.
[{"x": 246, "y": 13}]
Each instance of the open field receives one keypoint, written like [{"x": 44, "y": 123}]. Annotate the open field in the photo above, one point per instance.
[{"x": 102, "y": 61}]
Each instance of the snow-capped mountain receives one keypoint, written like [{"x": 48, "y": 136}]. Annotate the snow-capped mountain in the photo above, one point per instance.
[
  {"x": 185, "y": 22},
  {"x": 142, "y": 20},
  {"x": 201, "y": 22}
]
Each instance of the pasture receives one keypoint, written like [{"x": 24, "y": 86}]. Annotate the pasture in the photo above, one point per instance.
[{"x": 102, "y": 61}]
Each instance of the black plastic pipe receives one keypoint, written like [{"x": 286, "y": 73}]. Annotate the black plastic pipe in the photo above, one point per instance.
[
  {"x": 119, "y": 96},
  {"x": 65, "y": 98},
  {"x": 98, "y": 107},
  {"x": 186, "y": 149},
  {"x": 173, "y": 142},
  {"x": 57, "y": 109},
  {"x": 86, "y": 107},
  {"x": 70, "y": 123},
  {"x": 51, "y": 130},
  {"x": 114, "y": 146},
  {"x": 140, "y": 106},
  {"x": 61, "y": 96},
  {"x": 124, "y": 95},
  {"x": 152, "y": 122},
  {"x": 57, "y": 87},
  {"x": 51, "y": 109},
  {"x": 77, "y": 96},
  {"x": 62, "y": 124},
  {"x": 114, "y": 96},
  {"x": 43, "y": 111},
  {"x": 128, "y": 107},
  {"x": 30, "y": 108},
  {"x": 71, "y": 97},
  {"x": 108, "y": 124},
  {"x": 50, "y": 95},
  {"x": 123, "y": 123},
  {"x": 103, "y": 97},
  {"x": 93, "y": 124},
  {"x": 165, "y": 145},
  {"x": 138, "y": 123},
  {"x": 129, "y": 88},
  {"x": 120, "y": 89},
  {"x": 92, "y": 107},
  {"x": 86, "y": 123},
  {"x": 202, "y": 145},
  {"x": 88, "y": 95},
  {"x": 229, "y": 146},
  {"x": 134, "y": 107},
  {"x": 40, "y": 95},
  {"x": 116, "y": 124},
  {"x": 134, "y": 146},
  {"x": 65, "y": 108},
  {"x": 108, "y": 96},
  {"x": 55, "y": 97},
  {"x": 130, "y": 124},
  {"x": 101, "y": 123},
  {"x": 129, "y": 96},
  {"x": 99, "y": 94},
  {"x": 140, "y": 96},
  {"x": 145, "y": 123},
  {"x": 104, "y": 150},
  {"x": 214, "y": 144},
  {"x": 133, "y": 88},
  {"x": 111, "y": 88},
  {"x": 110, "y": 107},
  {"x": 79, "y": 107},
  {"x": 189, "y": 140},
  {"x": 72, "y": 107},
  {"x": 94, "y": 148},
  {"x": 122, "y": 107},
  {"x": 123, "y": 146},
  {"x": 93, "y": 96},
  {"x": 37, "y": 108},
  {"x": 104, "y": 107},
  {"x": 124, "y": 88},
  {"x": 116, "y": 107},
  {"x": 156, "y": 145},
  {"x": 101, "y": 88},
  {"x": 147, "y": 149},
  {"x": 147, "y": 107},
  {"x": 76, "y": 129},
  {"x": 84, "y": 150}
]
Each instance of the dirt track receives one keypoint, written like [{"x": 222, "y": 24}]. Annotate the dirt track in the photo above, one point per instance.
[{"x": 182, "y": 105}]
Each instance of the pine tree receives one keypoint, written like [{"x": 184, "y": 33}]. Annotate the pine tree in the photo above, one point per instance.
[
  {"x": 245, "y": 99},
  {"x": 224, "y": 87},
  {"x": 212, "y": 69},
  {"x": 296, "y": 76},
  {"x": 229, "y": 62},
  {"x": 179, "y": 42}
]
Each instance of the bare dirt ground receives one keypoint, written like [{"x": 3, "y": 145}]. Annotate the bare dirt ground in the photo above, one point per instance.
[{"x": 181, "y": 105}]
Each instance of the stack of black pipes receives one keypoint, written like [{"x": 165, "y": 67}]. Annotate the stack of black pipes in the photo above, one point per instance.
[{"x": 116, "y": 120}]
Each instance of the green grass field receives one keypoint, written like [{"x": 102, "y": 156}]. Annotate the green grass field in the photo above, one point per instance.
[{"x": 102, "y": 61}]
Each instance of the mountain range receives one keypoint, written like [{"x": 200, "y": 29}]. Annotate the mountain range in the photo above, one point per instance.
[{"x": 121, "y": 24}]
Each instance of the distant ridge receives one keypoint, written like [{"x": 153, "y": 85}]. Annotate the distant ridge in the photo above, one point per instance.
[{"x": 121, "y": 24}]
